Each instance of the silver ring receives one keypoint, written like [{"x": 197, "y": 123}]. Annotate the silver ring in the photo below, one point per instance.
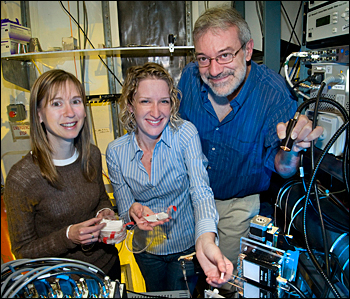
[{"x": 92, "y": 236}]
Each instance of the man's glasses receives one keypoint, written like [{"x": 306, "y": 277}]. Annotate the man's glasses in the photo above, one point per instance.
[{"x": 204, "y": 61}]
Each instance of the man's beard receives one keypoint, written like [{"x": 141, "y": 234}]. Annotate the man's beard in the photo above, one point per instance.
[{"x": 226, "y": 88}]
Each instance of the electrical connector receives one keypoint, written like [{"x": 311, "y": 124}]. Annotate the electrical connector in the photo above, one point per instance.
[
  {"x": 302, "y": 54},
  {"x": 183, "y": 269},
  {"x": 315, "y": 56},
  {"x": 317, "y": 78},
  {"x": 338, "y": 79},
  {"x": 281, "y": 280}
]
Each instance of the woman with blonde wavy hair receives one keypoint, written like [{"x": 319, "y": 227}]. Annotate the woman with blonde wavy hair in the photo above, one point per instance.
[
  {"x": 158, "y": 165},
  {"x": 55, "y": 196},
  {"x": 136, "y": 74}
]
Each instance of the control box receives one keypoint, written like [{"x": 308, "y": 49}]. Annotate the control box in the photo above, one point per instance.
[
  {"x": 327, "y": 22},
  {"x": 16, "y": 112},
  {"x": 330, "y": 62}
]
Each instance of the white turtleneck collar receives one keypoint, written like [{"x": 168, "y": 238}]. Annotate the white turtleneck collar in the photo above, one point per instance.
[{"x": 68, "y": 161}]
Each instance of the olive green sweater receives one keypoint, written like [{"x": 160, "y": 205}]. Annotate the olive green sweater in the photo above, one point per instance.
[{"x": 38, "y": 214}]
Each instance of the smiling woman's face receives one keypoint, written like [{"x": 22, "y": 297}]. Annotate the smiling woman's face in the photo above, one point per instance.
[
  {"x": 151, "y": 107},
  {"x": 64, "y": 115}
]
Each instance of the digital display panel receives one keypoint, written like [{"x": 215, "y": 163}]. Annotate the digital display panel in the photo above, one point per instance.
[{"x": 323, "y": 21}]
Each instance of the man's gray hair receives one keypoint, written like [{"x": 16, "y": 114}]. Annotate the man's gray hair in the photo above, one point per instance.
[{"x": 223, "y": 18}]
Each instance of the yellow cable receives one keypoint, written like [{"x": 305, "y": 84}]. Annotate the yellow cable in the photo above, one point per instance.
[{"x": 36, "y": 66}]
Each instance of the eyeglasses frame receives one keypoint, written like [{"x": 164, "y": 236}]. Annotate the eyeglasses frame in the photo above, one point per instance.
[{"x": 233, "y": 57}]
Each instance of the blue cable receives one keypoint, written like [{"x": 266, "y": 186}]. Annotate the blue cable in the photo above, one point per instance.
[
  {"x": 41, "y": 272},
  {"x": 44, "y": 271}
]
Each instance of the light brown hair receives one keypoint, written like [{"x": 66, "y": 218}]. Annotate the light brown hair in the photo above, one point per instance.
[{"x": 43, "y": 91}]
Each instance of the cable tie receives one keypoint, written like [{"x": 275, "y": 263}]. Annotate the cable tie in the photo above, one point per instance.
[{"x": 301, "y": 170}]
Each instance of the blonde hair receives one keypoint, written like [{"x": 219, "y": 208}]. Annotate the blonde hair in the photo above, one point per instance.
[
  {"x": 43, "y": 91},
  {"x": 134, "y": 75}
]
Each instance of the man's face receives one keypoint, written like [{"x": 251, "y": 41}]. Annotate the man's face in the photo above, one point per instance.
[{"x": 224, "y": 79}]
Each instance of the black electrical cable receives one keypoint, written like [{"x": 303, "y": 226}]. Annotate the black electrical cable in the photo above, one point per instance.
[
  {"x": 346, "y": 161},
  {"x": 90, "y": 43},
  {"x": 291, "y": 36},
  {"x": 314, "y": 185},
  {"x": 259, "y": 13},
  {"x": 86, "y": 25},
  {"x": 81, "y": 57},
  {"x": 183, "y": 266},
  {"x": 300, "y": 108},
  {"x": 296, "y": 84},
  {"x": 86, "y": 30},
  {"x": 313, "y": 78},
  {"x": 335, "y": 258},
  {"x": 346, "y": 118},
  {"x": 295, "y": 22},
  {"x": 299, "y": 292},
  {"x": 297, "y": 65},
  {"x": 325, "y": 289},
  {"x": 324, "y": 152},
  {"x": 79, "y": 44},
  {"x": 301, "y": 170},
  {"x": 314, "y": 121}
]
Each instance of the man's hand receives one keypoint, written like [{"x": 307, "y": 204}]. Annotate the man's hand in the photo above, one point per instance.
[
  {"x": 215, "y": 265},
  {"x": 302, "y": 133},
  {"x": 286, "y": 163}
]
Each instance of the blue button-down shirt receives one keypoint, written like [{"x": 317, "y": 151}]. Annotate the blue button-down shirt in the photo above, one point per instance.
[
  {"x": 178, "y": 177},
  {"x": 242, "y": 147}
]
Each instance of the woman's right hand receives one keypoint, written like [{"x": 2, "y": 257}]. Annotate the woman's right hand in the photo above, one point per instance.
[
  {"x": 86, "y": 232},
  {"x": 137, "y": 211}
]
